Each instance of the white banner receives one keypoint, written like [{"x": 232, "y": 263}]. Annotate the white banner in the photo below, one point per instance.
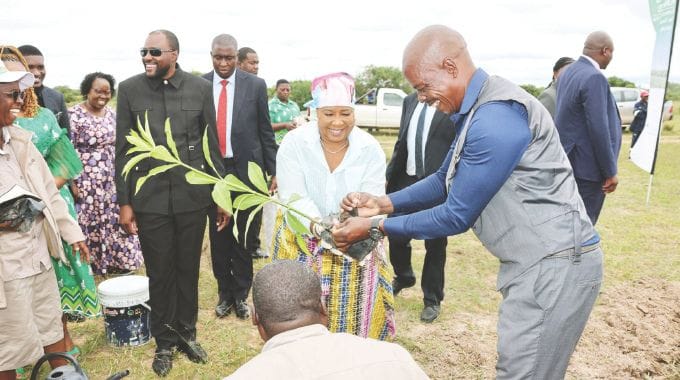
[{"x": 663, "y": 13}]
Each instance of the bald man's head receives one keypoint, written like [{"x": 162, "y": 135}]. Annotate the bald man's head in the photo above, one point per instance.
[
  {"x": 438, "y": 65},
  {"x": 600, "y": 47}
]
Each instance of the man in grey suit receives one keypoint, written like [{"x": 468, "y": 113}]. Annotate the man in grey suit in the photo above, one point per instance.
[
  {"x": 47, "y": 97},
  {"x": 168, "y": 213},
  {"x": 245, "y": 135},
  {"x": 589, "y": 122},
  {"x": 549, "y": 96},
  {"x": 433, "y": 131}
]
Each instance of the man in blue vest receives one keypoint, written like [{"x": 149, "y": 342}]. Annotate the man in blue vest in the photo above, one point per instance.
[{"x": 507, "y": 177}]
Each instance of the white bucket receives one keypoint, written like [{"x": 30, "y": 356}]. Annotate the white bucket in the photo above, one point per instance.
[{"x": 126, "y": 314}]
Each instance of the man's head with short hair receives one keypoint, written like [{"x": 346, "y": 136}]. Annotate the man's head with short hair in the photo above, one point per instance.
[
  {"x": 286, "y": 296},
  {"x": 248, "y": 60},
  {"x": 283, "y": 90},
  {"x": 600, "y": 47},
  {"x": 36, "y": 63},
  {"x": 170, "y": 36},
  {"x": 223, "y": 52},
  {"x": 437, "y": 64},
  {"x": 29, "y": 50},
  {"x": 163, "y": 65},
  {"x": 560, "y": 65}
]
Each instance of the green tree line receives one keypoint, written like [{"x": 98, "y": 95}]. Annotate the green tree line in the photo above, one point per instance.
[{"x": 380, "y": 76}]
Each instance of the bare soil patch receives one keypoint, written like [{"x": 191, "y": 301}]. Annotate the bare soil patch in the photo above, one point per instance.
[{"x": 634, "y": 332}]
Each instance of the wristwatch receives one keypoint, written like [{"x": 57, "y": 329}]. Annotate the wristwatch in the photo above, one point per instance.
[{"x": 374, "y": 232}]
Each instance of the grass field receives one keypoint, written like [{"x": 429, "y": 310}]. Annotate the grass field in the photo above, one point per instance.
[{"x": 640, "y": 241}]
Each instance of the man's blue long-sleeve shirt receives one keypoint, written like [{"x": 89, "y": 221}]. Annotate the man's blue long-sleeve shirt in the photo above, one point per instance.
[{"x": 497, "y": 138}]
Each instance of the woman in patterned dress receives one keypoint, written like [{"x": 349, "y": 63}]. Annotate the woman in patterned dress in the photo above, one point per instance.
[
  {"x": 320, "y": 162},
  {"x": 76, "y": 284},
  {"x": 93, "y": 132}
]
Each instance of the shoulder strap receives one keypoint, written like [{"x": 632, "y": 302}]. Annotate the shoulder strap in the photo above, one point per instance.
[{"x": 458, "y": 150}]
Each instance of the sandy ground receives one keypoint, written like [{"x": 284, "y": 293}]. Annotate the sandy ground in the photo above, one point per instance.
[{"x": 633, "y": 333}]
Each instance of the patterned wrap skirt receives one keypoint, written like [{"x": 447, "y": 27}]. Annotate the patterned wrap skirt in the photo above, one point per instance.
[
  {"x": 358, "y": 297},
  {"x": 77, "y": 287}
]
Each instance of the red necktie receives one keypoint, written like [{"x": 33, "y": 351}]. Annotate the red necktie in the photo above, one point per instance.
[{"x": 222, "y": 118}]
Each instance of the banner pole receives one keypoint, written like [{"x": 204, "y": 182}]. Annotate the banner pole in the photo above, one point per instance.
[{"x": 649, "y": 188}]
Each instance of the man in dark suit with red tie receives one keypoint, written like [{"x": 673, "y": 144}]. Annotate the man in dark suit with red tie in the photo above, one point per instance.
[
  {"x": 425, "y": 136},
  {"x": 245, "y": 135}
]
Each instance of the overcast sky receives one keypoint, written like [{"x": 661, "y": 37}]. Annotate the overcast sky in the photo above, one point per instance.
[{"x": 517, "y": 39}]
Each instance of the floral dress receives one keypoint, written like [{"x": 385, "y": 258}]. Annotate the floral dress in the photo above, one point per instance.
[
  {"x": 76, "y": 284},
  {"x": 111, "y": 248}
]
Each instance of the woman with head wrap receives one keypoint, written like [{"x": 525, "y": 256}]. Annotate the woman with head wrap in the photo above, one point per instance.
[
  {"x": 320, "y": 162},
  {"x": 76, "y": 284}
]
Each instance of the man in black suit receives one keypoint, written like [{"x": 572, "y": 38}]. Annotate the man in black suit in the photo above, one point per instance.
[
  {"x": 245, "y": 135},
  {"x": 168, "y": 213},
  {"x": 47, "y": 97},
  {"x": 425, "y": 136},
  {"x": 248, "y": 60}
]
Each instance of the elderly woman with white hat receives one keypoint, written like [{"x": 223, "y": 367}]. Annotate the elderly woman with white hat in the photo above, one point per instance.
[
  {"x": 320, "y": 162},
  {"x": 30, "y": 312}
]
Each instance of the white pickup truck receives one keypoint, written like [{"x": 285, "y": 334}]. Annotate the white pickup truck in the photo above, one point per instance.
[{"x": 379, "y": 108}]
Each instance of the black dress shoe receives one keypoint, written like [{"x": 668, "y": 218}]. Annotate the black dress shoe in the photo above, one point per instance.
[
  {"x": 399, "y": 285},
  {"x": 162, "y": 362},
  {"x": 259, "y": 254},
  {"x": 193, "y": 351},
  {"x": 242, "y": 309},
  {"x": 224, "y": 308},
  {"x": 430, "y": 313}
]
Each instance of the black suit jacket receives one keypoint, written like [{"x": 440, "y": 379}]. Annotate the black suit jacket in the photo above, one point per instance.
[
  {"x": 54, "y": 101},
  {"x": 186, "y": 100},
  {"x": 252, "y": 137},
  {"x": 439, "y": 139}
]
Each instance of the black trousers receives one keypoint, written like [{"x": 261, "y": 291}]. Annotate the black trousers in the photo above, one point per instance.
[
  {"x": 432, "y": 281},
  {"x": 593, "y": 197},
  {"x": 171, "y": 246},
  {"x": 232, "y": 260}
]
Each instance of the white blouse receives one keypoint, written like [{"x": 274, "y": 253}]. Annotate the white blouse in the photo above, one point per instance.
[{"x": 301, "y": 168}]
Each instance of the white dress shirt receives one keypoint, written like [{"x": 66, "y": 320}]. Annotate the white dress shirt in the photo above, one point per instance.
[
  {"x": 597, "y": 65},
  {"x": 411, "y": 136},
  {"x": 217, "y": 89},
  {"x": 301, "y": 168}
]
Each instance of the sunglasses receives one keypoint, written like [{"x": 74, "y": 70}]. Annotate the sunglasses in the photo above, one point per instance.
[
  {"x": 155, "y": 52},
  {"x": 16, "y": 95}
]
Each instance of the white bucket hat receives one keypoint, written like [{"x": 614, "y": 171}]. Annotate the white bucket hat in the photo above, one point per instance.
[{"x": 24, "y": 78}]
